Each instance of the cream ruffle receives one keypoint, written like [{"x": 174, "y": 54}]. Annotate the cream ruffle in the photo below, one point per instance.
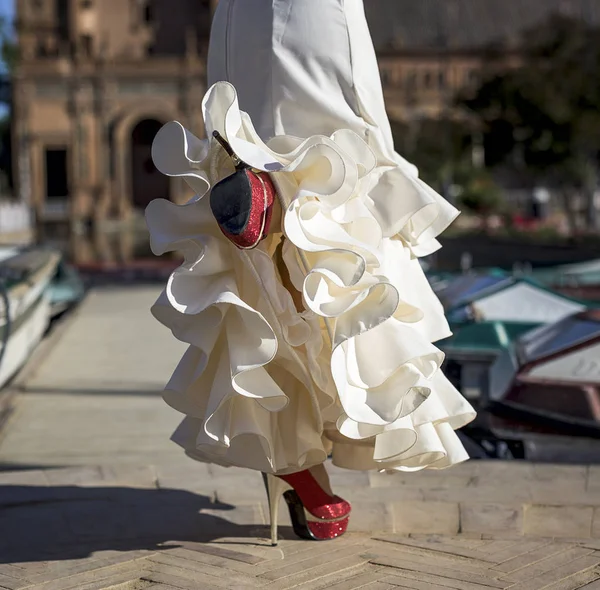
[{"x": 265, "y": 387}]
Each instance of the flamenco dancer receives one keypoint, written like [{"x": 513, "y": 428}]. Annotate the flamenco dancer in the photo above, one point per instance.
[{"x": 309, "y": 320}]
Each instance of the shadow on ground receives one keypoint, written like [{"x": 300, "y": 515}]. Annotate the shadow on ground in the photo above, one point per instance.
[{"x": 39, "y": 523}]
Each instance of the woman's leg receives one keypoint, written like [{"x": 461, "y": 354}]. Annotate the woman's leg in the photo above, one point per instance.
[{"x": 285, "y": 277}]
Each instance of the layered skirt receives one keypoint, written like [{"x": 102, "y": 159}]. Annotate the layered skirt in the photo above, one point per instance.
[{"x": 353, "y": 371}]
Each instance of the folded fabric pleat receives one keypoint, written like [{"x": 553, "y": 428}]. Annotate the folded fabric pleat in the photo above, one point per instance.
[{"x": 267, "y": 387}]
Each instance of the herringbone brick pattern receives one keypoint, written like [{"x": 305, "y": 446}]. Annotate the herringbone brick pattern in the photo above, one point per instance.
[
  {"x": 94, "y": 497},
  {"x": 355, "y": 561}
]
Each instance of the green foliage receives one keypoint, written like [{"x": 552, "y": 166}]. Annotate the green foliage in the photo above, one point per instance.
[
  {"x": 480, "y": 194},
  {"x": 8, "y": 47},
  {"x": 436, "y": 147},
  {"x": 441, "y": 151},
  {"x": 545, "y": 114}
]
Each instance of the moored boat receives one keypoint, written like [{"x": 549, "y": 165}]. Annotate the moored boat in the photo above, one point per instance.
[
  {"x": 25, "y": 306},
  {"x": 66, "y": 288},
  {"x": 545, "y": 390}
]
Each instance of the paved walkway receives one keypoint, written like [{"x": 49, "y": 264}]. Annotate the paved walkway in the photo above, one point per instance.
[
  {"x": 94, "y": 496},
  {"x": 95, "y": 397},
  {"x": 226, "y": 556}
]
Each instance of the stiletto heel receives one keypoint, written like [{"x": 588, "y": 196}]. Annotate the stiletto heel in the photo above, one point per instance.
[
  {"x": 315, "y": 514},
  {"x": 275, "y": 488}
]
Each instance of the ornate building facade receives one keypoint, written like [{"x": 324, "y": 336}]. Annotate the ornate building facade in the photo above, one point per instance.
[{"x": 97, "y": 79}]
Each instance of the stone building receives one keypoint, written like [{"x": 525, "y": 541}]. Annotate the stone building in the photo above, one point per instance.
[
  {"x": 97, "y": 78},
  {"x": 430, "y": 49}
]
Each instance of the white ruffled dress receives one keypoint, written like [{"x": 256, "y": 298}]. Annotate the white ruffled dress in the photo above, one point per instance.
[{"x": 356, "y": 374}]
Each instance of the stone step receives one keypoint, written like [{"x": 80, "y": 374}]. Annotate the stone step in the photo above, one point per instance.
[{"x": 518, "y": 499}]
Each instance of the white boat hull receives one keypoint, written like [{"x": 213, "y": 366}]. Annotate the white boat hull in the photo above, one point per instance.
[
  {"x": 29, "y": 307},
  {"x": 24, "y": 339}
]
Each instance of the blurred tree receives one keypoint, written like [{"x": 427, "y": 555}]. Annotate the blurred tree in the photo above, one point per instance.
[
  {"x": 442, "y": 151},
  {"x": 479, "y": 193},
  {"x": 545, "y": 114},
  {"x": 436, "y": 146},
  {"x": 8, "y": 46}
]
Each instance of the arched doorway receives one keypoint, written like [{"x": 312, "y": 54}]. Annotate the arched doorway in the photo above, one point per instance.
[{"x": 147, "y": 182}]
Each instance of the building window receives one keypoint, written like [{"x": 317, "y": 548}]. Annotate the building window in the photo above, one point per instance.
[
  {"x": 149, "y": 12},
  {"x": 57, "y": 186},
  {"x": 62, "y": 14},
  {"x": 442, "y": 80},
  {"x": 86, "y": 4},
  {"x": 411, "y": 80},
  {"x": 427, "y": 80},
  {"x": 86, "y": 43}
]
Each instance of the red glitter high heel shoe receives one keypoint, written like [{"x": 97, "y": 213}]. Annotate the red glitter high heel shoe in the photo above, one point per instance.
[
  {"x": 243, "y": 202},
  {"x": 315, "y": 515}
]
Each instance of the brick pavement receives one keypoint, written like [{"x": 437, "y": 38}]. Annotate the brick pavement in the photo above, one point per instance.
[
  {"x": 86, "y": 529},
  {"x": 93, "y": 495}
]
